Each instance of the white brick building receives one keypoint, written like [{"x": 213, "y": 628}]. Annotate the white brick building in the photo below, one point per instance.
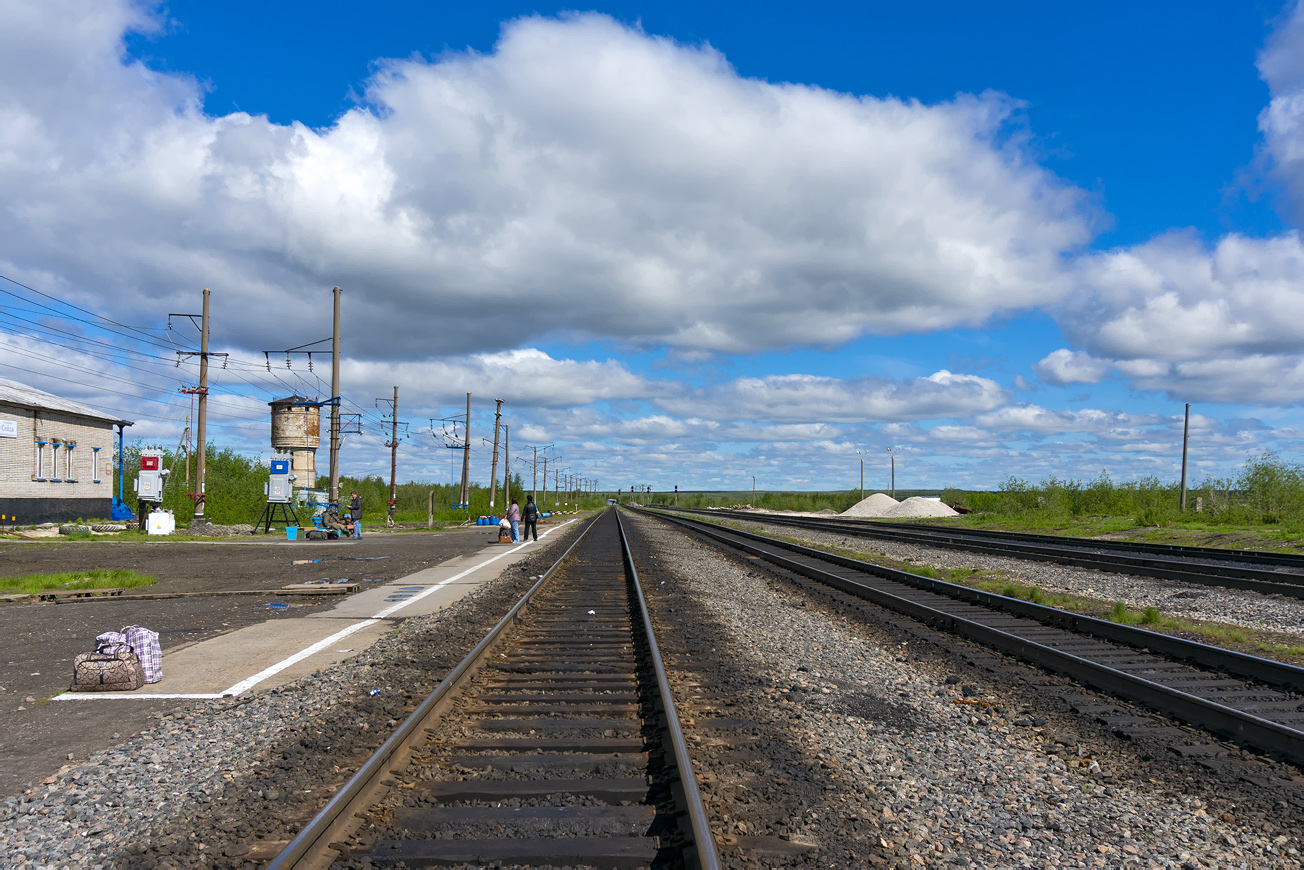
[{"x": 56, "y": 458}]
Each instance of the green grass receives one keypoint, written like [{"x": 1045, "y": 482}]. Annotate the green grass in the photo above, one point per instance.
[{"x": 97, "y": 579}]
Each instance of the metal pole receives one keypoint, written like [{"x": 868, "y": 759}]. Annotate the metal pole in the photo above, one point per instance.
[
  {"x": 534, "y": 486},
  {"x": 545, "y": 482},
  {"x": 466, "y": 459},
  {"x": 335, "y": 404},
  {"x": 203, "y": 412},
  {"x": 493, "y": 473},
  {"x": 862, "y": 476},
  {"x": 1186, "y": 432},
  {"x": 507, "y": 468}
]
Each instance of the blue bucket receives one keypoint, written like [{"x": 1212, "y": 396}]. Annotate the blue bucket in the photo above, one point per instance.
[{"x": 291, "y": 533}]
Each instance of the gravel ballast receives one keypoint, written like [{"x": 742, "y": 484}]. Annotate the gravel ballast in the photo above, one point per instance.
[
  {"x": 1280, "y": 613},
  {"x": 897, "y": 753}
]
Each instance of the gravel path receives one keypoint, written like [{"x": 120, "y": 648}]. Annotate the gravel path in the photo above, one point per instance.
[
  {"x": 223, "y": 783},
  {"x": 916, "y": 773},
  {"x": 1199, "y": 603}
]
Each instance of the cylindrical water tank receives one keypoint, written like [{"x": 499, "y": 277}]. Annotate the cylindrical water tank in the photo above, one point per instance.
[{"x": 295, "y": 425}]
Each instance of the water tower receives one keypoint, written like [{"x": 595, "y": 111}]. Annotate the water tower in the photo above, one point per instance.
[{"x": 296, "y": 430}]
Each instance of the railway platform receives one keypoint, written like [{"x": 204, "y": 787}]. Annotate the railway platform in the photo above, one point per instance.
[{"x": 262, "y": 656}]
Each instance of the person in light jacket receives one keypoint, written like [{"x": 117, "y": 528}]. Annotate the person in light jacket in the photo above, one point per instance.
[
  {"x": 355, "y": 512},
  {"x": 514, "y": 517}
]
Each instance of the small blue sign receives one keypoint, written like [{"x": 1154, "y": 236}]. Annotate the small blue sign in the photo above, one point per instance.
[{"x": 280, "y": 466}]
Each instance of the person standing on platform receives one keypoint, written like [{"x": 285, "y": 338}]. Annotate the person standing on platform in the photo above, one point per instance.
[
  {"x": 514, "y": 517},
  {"x": 530, "y": 516},
  {"x": 355, "y": 512}
]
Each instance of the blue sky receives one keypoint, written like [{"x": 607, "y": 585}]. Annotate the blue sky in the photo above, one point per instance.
[{"x": 686, "y": 244}]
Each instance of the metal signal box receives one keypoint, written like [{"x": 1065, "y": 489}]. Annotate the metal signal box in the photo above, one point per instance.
[
  {"x": 149, "y": 483},
  {"x": 280, "y": 482}
]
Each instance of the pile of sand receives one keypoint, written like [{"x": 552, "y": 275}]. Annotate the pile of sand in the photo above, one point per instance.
[
  {"x": 877, "y": 505},
  {"x": 921, "y": 507}
]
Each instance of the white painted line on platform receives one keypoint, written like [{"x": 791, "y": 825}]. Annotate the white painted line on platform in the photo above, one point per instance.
[
  {"x": 95, "y": 696},
  {"x": 245, "y": 685}
]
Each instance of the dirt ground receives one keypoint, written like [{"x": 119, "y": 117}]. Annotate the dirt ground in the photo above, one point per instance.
[{"x": 38, "y": 642}]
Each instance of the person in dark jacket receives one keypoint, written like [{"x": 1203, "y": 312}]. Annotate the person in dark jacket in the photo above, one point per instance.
[
  {"x": 355, "y": 512},
  {"x": 530, "y": 516}
]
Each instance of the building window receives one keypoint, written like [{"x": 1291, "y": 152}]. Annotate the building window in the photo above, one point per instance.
[
  {"x": 54, "y": 462},
  {"x": 95, "y": 464},
  {"x": 67, "y": 452},
  {"x": 40, "y": 460}
]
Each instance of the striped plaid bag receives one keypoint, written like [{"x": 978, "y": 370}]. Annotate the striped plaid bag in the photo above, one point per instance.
[{"x": 144, "y": 643}]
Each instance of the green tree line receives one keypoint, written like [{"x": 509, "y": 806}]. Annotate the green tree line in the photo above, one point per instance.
[
  {"x": 1266, "y": 490},
  {"x": 234, "y": 492}
]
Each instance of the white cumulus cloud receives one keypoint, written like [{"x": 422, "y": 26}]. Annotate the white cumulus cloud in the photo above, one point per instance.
[
  {"x": 590, "y": 178},
  {"x": 803, "y": 398}
]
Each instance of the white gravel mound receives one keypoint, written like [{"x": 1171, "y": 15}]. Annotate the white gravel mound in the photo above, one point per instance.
[
  {"x": 877, "y": 505},
  {"x": 920, "y": 507}
]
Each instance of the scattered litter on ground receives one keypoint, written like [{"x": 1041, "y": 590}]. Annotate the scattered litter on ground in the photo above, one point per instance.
[
  {"x": 374, "y": 692},
  {"x": 305, "y": 561},
  {"x": 363, "y": 558},
  {"x": 350, "y": 649},
  {"x": 278, "y": 605}
]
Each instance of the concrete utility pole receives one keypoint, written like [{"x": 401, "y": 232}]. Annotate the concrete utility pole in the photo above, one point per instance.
[
  {"x": 203, "y": 413},
  {"x": 556, "y": 486},
  {"x": 545, "y": 481},
  {"x": 393, "y": 447},
  {"x": 892, "y": 456},
  {"x": 861, "y": 454},
  {"x": 1186, "y": 432},
  {"x": 466, "y": 457},
  {"x": 507, "y": 468},
  {"x": 493, "y": 473},
  {"x": 534, "y": 486},
  {"x": 335, "y": 404}
]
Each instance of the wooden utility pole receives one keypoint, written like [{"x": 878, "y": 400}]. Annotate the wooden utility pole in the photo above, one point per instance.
[
  {"x": 201, "y": 427},
  {"x": 1186, "y": 432},
  {"x": 507, "y": 468},
  {"x": 466, "y": 458},
  {"x": 493, "y": 474},
  {"x": 334, "y": 496}
]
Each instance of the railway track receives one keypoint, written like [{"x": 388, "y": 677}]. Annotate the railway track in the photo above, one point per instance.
[
  {"x": 1269, "y": 573},
  {"x": 1256, "y": 702},
  {"x": 555, "y": 742}
]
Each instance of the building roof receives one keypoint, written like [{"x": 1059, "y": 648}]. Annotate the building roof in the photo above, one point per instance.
[{"x": 14, "y": 393}]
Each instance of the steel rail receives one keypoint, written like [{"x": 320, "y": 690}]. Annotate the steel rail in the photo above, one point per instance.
[
  {"x": 310, "y": 849},
  {"x": 1078, "y": 553},
  {"x": 1241, "y": 726},
  {"x": 704, "y": 850},
  {"x": 1253, "y": 557}
]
